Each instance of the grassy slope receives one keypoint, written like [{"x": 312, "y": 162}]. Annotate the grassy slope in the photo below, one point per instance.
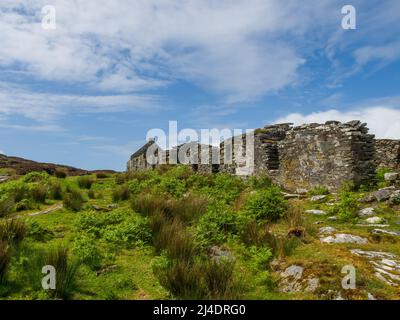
[{"x": 130, "y": 275}]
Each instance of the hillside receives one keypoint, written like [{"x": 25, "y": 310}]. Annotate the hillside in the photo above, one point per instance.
[
  {"x": 22, "y": 166},
  {"x": 175, "y": 234}
]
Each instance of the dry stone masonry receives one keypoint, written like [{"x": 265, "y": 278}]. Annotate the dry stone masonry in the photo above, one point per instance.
[
  {"x": 387, "y": 153},
  {"x": 297, "y": 157}
]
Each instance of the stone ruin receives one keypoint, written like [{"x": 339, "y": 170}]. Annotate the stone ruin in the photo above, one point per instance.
[{"x": 295, "y": 157}]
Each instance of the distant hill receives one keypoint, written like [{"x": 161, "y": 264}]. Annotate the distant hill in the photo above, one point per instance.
[{"x": 23, "y": 166}]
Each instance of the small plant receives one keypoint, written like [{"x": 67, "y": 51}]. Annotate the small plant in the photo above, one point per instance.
[
  {"x": 294, "y": 215},
  {"x": 86, "y": 251},
  {"x": 260, "y": 182},
  {"x": 251, "y": 234},
  {"x": 147, "y": 204},
  {"x": 132, "y": 232},
  {"x": 37, "y": 232},
  {"x": 56, "y": 191},
  {"x": 65, "y": 272},
  {"x": 259, "y": 257},
  {"x": 5, "y": 259},
  {"x": 74, "y": 200},
  {"x": 6, "y": 205},
  {"x": 12, "y": 231},
  {"x": 190, "y": 208},
  {"x": 26, "y": 204},
  {"x": 219, "y": 279},
  {"x": 265, "y": 204},
  {"x": 319, "y": 191},
  {"x": 85, "y": 182},
  {"x": 282, "y": 246},
  {"x": 121, "y": 193},
  {"x": 35, "y": 177},
  {"x": 216, "y": 225},
  {"x": 182, "y": 278},
  {"x": 347, "y": 207},
  {"x": 39, "y": 193}
]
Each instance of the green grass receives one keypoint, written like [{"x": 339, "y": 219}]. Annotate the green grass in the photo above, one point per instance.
[{"x": 124, "y": 225}]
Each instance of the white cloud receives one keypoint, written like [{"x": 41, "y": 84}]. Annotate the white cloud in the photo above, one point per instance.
[
  {"x": 231, "y": 47},
  {"x": 382, "y": 121},
  {"x": 48, "y": 107}
]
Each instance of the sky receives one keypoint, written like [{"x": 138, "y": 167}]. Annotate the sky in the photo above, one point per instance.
[{"x": 87, "y": 92}]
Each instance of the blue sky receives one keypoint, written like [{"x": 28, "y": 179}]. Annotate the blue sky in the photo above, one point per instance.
[{"x": 86, "y": 93}]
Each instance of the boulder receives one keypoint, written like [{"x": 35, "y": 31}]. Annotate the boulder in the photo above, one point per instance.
[
  {"x": 386, "y": 232},
  {"x": 318, "y": 198},
  {"x": 391, "y": 176},
  {"x": 301, "y": 191},
  {"x": 316, "y": 212},
  {"x": 344, "y": 238},
  {"x": 366, "y": 212},
  {"x": 327, "y": 230},
  {"x": 218, "y": 253},
  {"x": 382, "y": 194},
  {"x": 375, "y": 220},
  {"x": 386, "y": 265}
]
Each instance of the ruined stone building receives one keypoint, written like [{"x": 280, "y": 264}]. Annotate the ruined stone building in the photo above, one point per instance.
[{"x": 294, "y": 157}]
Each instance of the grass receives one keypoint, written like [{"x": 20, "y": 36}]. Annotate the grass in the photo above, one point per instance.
[{"x": 154, "y": 241}]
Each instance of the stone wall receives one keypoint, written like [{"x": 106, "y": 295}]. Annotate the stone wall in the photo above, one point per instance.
[
  {"x": 326, "y": 155},
  {"x": 387, "y": 154},
  {"x": 303, "y": 157}
]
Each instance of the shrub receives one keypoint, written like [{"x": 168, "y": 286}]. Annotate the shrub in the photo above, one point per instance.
[
  {"x": 56, "y": 191},
  {"x": 190, "y": 208},
  {"x": 132, "y": 232},
  {"x": 39, "y": 193},
  {"x": 5, "y": 259},
  {"x": 172, "y": 237},
  {"x": 65, "y": 272},
  {"x": 91, "y": 194},
  {"x": 148, "y": 204},
  {"x": 35, "y": 177},
  {"x": 251, "y": 234},
  {"x": 37, "y": 232},
  {"x": 265, "y": 204},
  {"x": 120, "y": 178},
  {"x": 85, "y": 182},
  {"x": 17, "y": 190},
  {"x": 259, "y": 257},
  {"x": 121, "y": 193},
  {"x": 173, "y": 186},
  {"x": 74, "y": 200},
  {"x": 26, "y": 204},
  {"x": 347, "y": 207},
  {"x": 134, "y": 186},
  {"x": 219, "y": 279},
  {"x": 227, "y": 188},
  {"x": 182, "y": 279},
  {"x": 215, "y": 225},
  {"x": 294, "y": 215},
  {"x": 6, "y": 205},
  {"x": 60, "y": 174},
  {"x": 260, "y": 182},
  {"x": 12, "y": 231},
  {"x": 281, "y": 246},
  {"x": 86, "y": 251},
  {"x": 101, "y": 175}
]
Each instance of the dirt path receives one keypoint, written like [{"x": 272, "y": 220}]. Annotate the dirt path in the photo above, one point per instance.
[{"x": 51, "y": 209}]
